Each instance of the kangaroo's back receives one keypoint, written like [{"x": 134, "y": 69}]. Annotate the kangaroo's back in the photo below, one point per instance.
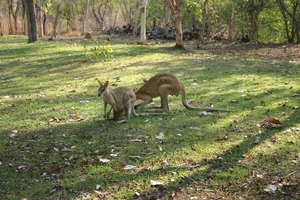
[{"x": 154, "y": 84}]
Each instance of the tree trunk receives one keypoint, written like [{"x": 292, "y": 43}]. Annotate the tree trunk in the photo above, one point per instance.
[
  {"x": 208, "y": 27},
  {"x": 86, "y": 9},
  {"x": 293, "y": 16},
  {"x": 100, "y": 22},
  {"x": 44, "y": 24},
  {"x": 100, "y": 17},
  {"x": 24, "y": 21},
  {"x": 16, "y": 16},
  {"x": 40, "y": 19},
  {"x": 254, "y": 26},
  {"x": 166, "y": 18},
  {"x": 200, "y": 41},
  {"x": 53, "y": 33},
  {"x": 136, "y": 21},
  {"x": 31, "y": 22},
  {"x": 126, "y": 13},
  {"x": 143, "y": 38},
  {"x": 231, "y": 25},
  {"x": 116, "y": 16},
  {"x": 174, "y": 6},
  {"x": 1, "y": 30},
  {"x": 9, "y": 19}
]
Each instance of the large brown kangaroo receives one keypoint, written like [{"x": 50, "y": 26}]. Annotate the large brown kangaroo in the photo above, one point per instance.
[{"x": 162, "y": 85}]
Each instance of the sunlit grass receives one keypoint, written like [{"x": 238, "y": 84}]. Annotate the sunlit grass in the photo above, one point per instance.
[{"x": 222, "y": 155}]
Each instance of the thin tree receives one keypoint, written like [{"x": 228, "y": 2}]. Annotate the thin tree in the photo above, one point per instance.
[
  {"x": 53, "y": 33},
  {"x": 39, "y": 14},
  {"x": 137, "y": 14},
  {"x": 100, "y": 15},
  {"x": 143, "y": 38},
  {"x": 231, "y": 24},
  {"x": 86, "y": 9},
  {"x": 253, "y": 9},
  {"x": 14, "y": 9},
  {"x": 205, "y": 8},
  {"x": 166, "y": 17},
  {"x": 10, "y": 27},
  {"x": 291, "y": 14},
  {"x": 31, "y": 23},
  {"x": 1, "y": 31},
  {"x": 174, "y": 6}
]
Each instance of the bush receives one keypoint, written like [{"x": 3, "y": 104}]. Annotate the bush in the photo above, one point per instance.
[{"x": 98, "y": 50}]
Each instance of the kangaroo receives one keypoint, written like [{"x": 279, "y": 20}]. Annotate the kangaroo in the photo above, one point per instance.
[
  {"x": 161, "y": 85},
  {"x": 121, "y": 99}
]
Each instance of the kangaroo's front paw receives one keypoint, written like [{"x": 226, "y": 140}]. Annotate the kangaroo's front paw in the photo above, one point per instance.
[{"x": 106, "y": 115}]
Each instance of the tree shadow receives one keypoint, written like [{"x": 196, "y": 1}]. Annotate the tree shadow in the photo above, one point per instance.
[{"x": 46, "y": 158}]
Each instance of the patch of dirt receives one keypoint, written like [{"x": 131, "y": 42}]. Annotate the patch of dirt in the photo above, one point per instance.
[{"x": 282, "y": 52}]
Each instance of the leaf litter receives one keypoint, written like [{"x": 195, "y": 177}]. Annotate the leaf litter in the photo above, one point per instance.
[{"x": 59, "y": 148}]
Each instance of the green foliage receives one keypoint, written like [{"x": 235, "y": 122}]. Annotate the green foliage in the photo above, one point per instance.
[
  {"x": 193, "y": 14},
  {"x": 96, "y": 50}
]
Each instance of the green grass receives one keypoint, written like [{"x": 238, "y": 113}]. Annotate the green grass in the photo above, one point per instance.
[{"x": 222, "y": 155}]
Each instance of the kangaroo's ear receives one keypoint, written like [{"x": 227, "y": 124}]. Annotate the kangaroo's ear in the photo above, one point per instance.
[
  {"x": 106, "y": 83},
  {"x": 98, "y": 81}
]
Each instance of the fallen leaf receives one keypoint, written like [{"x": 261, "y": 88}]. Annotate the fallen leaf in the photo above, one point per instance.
[
  {"x": 114, "y": 154},
  {"x": 65, "y": 149},
  {"x": 271, "y": 123},
  {"x": 160, "y": 148},
  {"x": 165, "y": 162},
  {"x": 23, "y": 168},
  {"x": 84, "y": 101},
  {"x": 55, "y": 170},
  {"x": 195, "y": 128},
  {"x": 155, "y": 183},
  {"x": 204, "y": 113},
  {"x": 160, "y": 136},
  {"x": 288, "y": 131},
  {"x": 136, "y": 140},
  {"x": 128, "y": 167},
  {"x": 134, "y": 157},
  {"x": 103, "y": 160},
  {"x": 271, "y": 188},
  {"x": 54, "y": 119},
  {"x": 98, "y": 187},
  {"x": 75, "y": 119}
]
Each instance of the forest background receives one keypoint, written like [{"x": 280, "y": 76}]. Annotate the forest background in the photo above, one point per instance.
[{"x": 266, "y": 21}]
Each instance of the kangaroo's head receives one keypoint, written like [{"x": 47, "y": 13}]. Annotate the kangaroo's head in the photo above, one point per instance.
[{"x": 102, "y": 87}]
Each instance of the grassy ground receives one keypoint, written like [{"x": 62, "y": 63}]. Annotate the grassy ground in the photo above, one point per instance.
[{"x": 55, "y": 144}]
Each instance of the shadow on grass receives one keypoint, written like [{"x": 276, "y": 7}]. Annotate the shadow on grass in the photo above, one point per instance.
[
  {"x": 46, "y": 161},
  {"x": 62, "y": 160}
]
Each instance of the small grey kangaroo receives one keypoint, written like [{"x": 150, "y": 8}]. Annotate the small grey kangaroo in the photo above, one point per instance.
[{"x": 121, "y": 100}]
